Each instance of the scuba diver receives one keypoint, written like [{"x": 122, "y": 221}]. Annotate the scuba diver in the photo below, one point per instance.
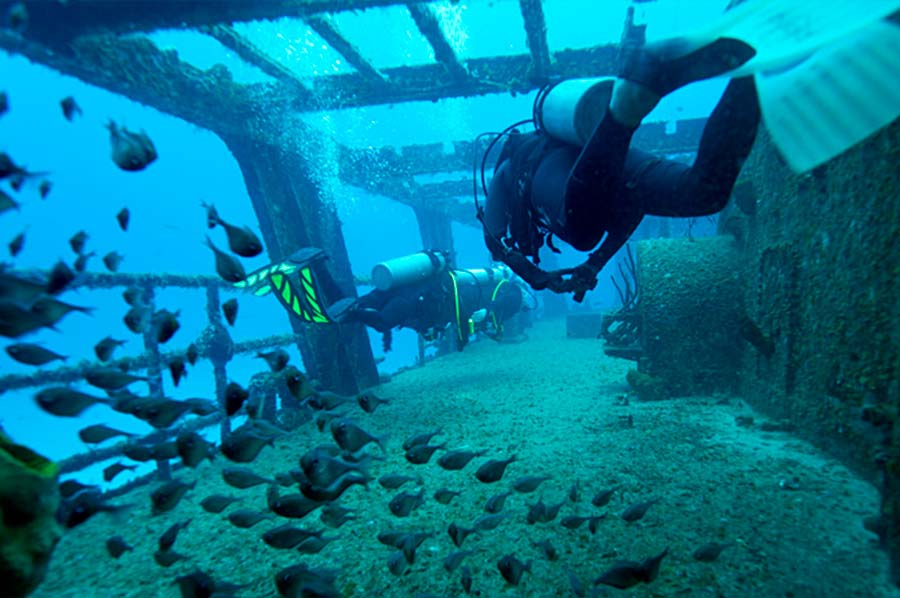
[
  {"x": 419, "y": 291},
  {"x": 547, "y": 183}
]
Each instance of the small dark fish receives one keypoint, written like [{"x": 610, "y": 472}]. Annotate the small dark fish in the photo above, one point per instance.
[
  {"x": 292, "y": 506},
  {"x": 276, "y": 359},
  {"x": 19, "y": 289},
  {"x": 17, "y": 181},
  {"x": 112, "y": 260},
  {"x": 456, "y": 460},
  {"x": 230, "y": 310},
  {"x": 166, "y": 497},
  {"x": 4, "y": 103},
  {"x": 405, "y": 503},
  {"x": 421, "y": 453},
  {"x": 529, "y": 483},
  {"x": 512, "y": 569},
  {"x": 84, "y": 505},
  {"x": 459, "y": 534},
  {"x": 444, "y": 495},
  {"x": 167, "y": 540},
  {"x": 200, "y": 406},
  {"x": 297, "y": 384},
  {"x": 162, "y": 413},
  {"x": 81, "y": 261},
  {"x": 44, "y": 189},
  {"x": 602, "y": 498},
  {"x": 335, "y": 516},
  {"x": 104, "y": 349},
  {"x": 573, "y": 493},
  {"x": 77, "y": 242},
  {"x": 543, "y": 513},
  {"x": 636, "y": 511},
  {"x": 192, "y": 353},
  {"x": 177, "y": 369},
  {"x": 492, "y": 471},
  {"x": 235, "y": 395},
  {"x": 488, "y": 522},
  {"x": 193, "y": 448},
  {"x": 242, "y": 478},
  {"x": 420, "y": 439},
  {"x": 200, "y": 585},
  {"x": 98, "y": 433},
  {"x": 138, "y": 452},
  {"x": 573, "y": 521},
  {"x": 351, "y": 437},
  {"x": 594, "y": 522},
  {"x": 466, "y": 580},
  {"x": 227, "y": 267},
  {"x": 328, "y": 401},
  {"x": 111, "y": 378},
  {"x": 453, "y": 560},
  {"x": 133, "y": 296},
  {"x": 315, "y": 545},
  {"x": 70, "y": 108},
  {"x": 65, "y": 402},
  {"x": 69, "y": 488},
  {"x": 7, "y": 202},
  {"x": 123, "y": 217},
  {"x": 244, "y": 446},
  {"x": 322, "y": 469},
  {"x": 60, "y": 277},
  {"x": 547, "y": 548},
  {"x": 16, "y": 320},
  {"x": 397, "y": 563},
  {"x": 31, "y": 354},
  {"x": 300, "y": 580},
  {"x": 117, "y": 546},
  {"x": 496, "y": 502},
  {"x": 217, "y": 503},
  {"x": 369, "y": 402},
  {"x": 710, "y": 552},
  {"x": 397, "y": 539},
  {"x": 167, "y": 558},
  {"x": 288, "y": 536},
  {"x": 626, "y": 574},
  {"x": 111, "y": 471},
  {"x": 246, "y": 518},
  {"x": 16, "y": 245},
  {"x": 164, "y": 451},
  {"x": 136, "y": 318},
  {"x": 166, "y": 323},
  {"x": 336, "y": 489},
  {"x": 49, "y": 310},
  {"x": 392, "y": 481},
  {"x": 130, "y": 151},
  {"x": 241, "y": 241},
  {"x": 17, "y": 17}
]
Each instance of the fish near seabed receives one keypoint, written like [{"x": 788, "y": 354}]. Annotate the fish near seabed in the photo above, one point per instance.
[{"x": 130, "y": 151}]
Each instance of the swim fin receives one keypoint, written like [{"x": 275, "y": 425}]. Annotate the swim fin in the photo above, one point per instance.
[{"x": 825, "y": 71}]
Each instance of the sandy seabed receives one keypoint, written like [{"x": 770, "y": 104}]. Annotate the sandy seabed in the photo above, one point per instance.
[{"x": 556, "y": 404}]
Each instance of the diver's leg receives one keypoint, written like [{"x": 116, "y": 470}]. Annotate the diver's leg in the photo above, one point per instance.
[{"x": 669, "y": 188}]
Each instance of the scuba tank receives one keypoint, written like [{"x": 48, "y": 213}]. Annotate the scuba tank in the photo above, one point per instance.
[
  {"x": 570, "y": 110},
  {"x": 485, "y": 275},
  {"x": 408, "y": 269}
]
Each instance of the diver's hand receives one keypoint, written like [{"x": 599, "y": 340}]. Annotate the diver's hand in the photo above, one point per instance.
[{"x": 581, "y": 280}]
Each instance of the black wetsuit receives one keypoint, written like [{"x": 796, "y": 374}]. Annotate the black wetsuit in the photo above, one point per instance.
[
  {"x": 606, "y": 188},
  {"x": 430, "y": 306}
]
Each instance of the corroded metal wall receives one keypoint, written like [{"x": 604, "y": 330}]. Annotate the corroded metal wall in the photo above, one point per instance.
[
  {"x": 822, "y": 272},
  {"x": 691, "y": 312},
  {"x": 292, "y": 214}
]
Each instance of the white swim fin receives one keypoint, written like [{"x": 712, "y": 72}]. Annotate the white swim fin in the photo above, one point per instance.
[
  {"x": 826, "y": 70},
  {"x": 834, "y": 99}
]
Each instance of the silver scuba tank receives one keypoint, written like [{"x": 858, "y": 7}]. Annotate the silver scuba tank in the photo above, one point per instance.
[
  {"x": 570, "y": 110},
  {"x": 408, "y": 269}
]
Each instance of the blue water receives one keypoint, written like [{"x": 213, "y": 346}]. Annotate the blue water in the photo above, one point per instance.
[{"x": 168, "y": 223}]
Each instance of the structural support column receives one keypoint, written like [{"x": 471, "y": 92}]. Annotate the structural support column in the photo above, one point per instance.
[
  {"x": 293, "y": 214},
  {"x": 435, "y": 229}
]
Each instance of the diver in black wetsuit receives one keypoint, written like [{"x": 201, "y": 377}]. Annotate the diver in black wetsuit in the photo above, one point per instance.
[
  {"x": 543, "y": 187},
  {"x": 458, "y": 302}
]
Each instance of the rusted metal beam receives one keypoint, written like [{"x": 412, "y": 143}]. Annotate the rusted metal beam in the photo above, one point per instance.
[
  {"x": 428, "y": 24},
  {"x": 430, "y": 82},
  {"x": 536, "y": 32},
  {"x": 59, "y": 21},
  {"x": 250, "y": 53},
  {"x": 134, "y": 67},
  {"x": 325, "y": 27}
]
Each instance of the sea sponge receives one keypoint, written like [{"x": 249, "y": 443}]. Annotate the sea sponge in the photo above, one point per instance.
[{"x": 29, "y": 531}]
